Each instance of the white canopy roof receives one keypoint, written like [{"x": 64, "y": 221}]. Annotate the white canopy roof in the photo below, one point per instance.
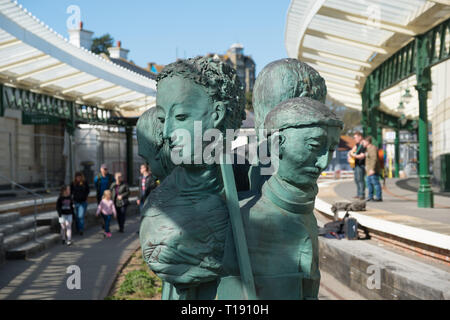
[
  {"x": 34, "y": 57},
  {"x": 345, "y": 40}
]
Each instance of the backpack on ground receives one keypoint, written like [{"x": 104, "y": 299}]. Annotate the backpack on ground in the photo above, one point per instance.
[{"x": 347, "y": 227}]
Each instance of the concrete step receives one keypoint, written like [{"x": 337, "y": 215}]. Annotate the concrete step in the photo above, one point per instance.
[
  {"x": 48, "y": 219},
  {"x": 9, "y": 217},
  {"x": 29, "y": 248},
  {"x": 381, "y": 274},
  {"x": 16, "y": 226},
  {"x": 21, "y": 237}
]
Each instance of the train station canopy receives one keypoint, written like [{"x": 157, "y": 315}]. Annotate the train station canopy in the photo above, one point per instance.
[
  {"x": 346, "y": 40},
  {"x": 34, "y": 57}
]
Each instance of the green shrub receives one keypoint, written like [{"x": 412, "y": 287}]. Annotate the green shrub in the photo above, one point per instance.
[{"x": 139, "y": 282}]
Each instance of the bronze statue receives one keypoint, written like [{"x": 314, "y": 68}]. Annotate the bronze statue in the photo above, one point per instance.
[
  {"x": 185, "y": 221},
  {"x": 151, "y": 145},
  {"x": 190, "y": 233},
  {"x": 280, "y": 226}
]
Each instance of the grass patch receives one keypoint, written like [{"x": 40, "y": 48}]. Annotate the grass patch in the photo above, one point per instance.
[{"x": 136, "y": 282}]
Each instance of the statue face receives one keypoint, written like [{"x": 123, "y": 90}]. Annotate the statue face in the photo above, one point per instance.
[
  {"x": 181, "y": 102},
  {"x": 305, "y": 152},
  {"x": 152, "y": 154},
  {"x": 150, "y": 143}
]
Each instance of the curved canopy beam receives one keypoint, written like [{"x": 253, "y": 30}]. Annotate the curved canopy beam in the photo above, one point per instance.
[
  {"x": 347, "y": 40},
  {"x": 34, "y": 57}
]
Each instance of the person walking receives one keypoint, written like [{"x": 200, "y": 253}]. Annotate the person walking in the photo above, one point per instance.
[
  {"x": 103, "y": 181},
  {"x": 146, "y": 184},
  {"x": 107, "y": 210},
  {"x": 373, "y": 170},
  {"x": 80, "y": 192},
  {"x": 120, "y": 193},
  {"x": 357, "y": 155},
  {"x": 64, "y": 207}
]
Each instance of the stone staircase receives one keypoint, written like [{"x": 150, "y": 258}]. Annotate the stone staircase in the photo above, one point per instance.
[
  {"x": 17, "y": 234},
  {"x": 17, "y": 225}
]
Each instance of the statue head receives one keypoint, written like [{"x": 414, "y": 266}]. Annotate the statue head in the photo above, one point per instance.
[
  {"x": 199, "y": 89},
  {"x": 285, "y": 79},
  {"x": 308, "y": 133},
  {"x": 151, "y": 144}
]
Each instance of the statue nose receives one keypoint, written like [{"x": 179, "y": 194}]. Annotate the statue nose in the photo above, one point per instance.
[
  {"x": 167, "y": 131},
  {"x": 322, "y": 161}
]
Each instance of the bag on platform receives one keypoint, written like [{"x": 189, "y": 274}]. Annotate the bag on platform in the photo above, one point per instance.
[{"x": 347, "y": 227}]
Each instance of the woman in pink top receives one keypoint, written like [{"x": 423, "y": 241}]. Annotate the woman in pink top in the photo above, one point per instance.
[{"x": 106, "y": 208}]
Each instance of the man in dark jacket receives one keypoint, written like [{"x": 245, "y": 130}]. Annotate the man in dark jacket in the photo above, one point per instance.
[
  {"x": 103, "y": 181},
  {"x": 146, "y": 184},
  {"x": 120, "y": 193}
]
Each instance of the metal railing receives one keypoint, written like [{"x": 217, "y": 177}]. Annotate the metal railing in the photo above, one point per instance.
[
  {"x": 36, "y": 195},
  {"x": 34, "y": 158}
]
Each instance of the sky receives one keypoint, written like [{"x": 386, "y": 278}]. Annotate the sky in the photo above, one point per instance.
[{"x": 156, "y": 30}]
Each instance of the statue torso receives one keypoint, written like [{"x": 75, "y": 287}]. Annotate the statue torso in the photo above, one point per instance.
[
  {"x": 185, "y": 246},
  {"x": 282, "y": 243}
]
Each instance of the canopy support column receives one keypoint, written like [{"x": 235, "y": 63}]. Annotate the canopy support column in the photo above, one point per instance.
[
  {"x": 423, "y": 74},
  {"x": 397, "y": 153},
  {"x": 129, "y": 154},
  {"x": 379, "y": 131}
]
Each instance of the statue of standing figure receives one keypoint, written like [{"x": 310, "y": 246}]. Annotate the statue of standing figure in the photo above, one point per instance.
[
  {"x": 280, "y": 226},
  {"x": 185, "y": 223},
  {"x": 186, "y": 235}
]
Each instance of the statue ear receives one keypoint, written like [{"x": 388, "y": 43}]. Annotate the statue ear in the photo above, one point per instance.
[
  {"x": 281, "y": 140},
  {"x": 219, "y": 113}
]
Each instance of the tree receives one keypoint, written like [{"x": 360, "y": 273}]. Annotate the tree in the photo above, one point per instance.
[
  {"x": 352, "y": 121},
  {"x": 350, "y": 117},
  {"x": 101, "y": 44}
]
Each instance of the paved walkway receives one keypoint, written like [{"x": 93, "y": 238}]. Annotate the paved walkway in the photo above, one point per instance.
[
  {"x": 44, "y": 276},
  {"x": 399, "y": 204}
]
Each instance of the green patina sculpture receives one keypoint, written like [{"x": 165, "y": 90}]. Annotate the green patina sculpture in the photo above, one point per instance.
[
  {"x": 185, "y": 220},
  {"x": 151, "y": 144},
  {"x": 189, "y": 227},
  {"x": 279, "y": 81},
  {"x": 280, "y": 226},
  {"x": 285, "y": 79}
]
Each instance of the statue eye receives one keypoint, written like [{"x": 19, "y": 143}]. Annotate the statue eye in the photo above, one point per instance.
[
  {"x": 181, "y": 117},
  {"x": 161, "y": 119},
  {"x": 314, "y": 144}
]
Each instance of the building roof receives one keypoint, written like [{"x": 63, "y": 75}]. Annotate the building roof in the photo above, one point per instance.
[
  {"x": 345, "y": 40},
  {"x": 157, "y": 68},
  {"x": 34, "y": 57},
  {"x": 131, "y": 66},
  {"x": 236, "y": 46}
]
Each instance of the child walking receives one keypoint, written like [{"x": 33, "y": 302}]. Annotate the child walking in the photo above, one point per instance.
[
  {"x": 64, "y": 206},
  {"x": 106, "y": 208}
]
